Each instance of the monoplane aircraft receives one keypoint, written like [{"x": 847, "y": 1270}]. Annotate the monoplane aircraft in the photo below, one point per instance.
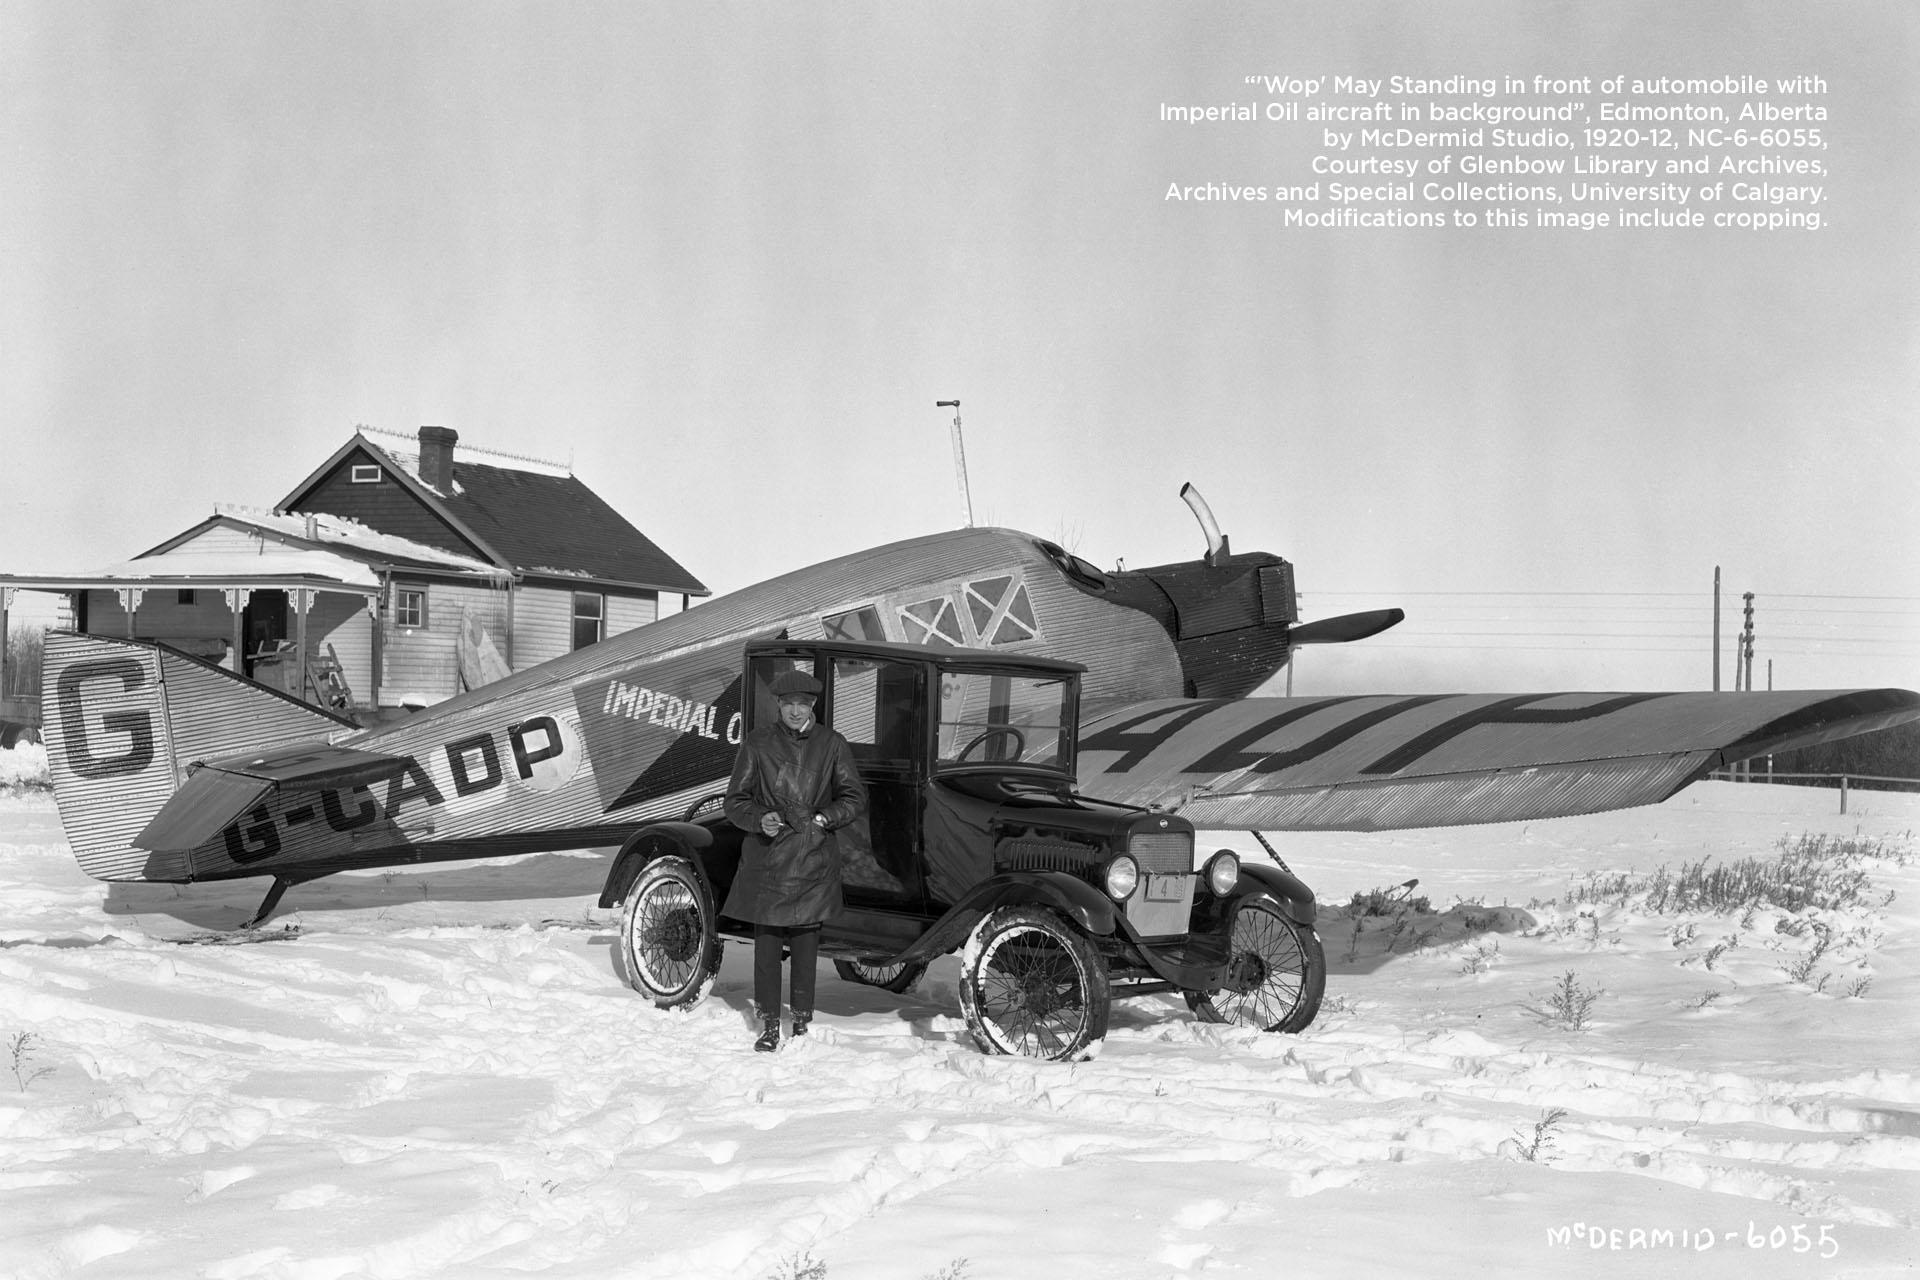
[{"x": 169, "y": 769}]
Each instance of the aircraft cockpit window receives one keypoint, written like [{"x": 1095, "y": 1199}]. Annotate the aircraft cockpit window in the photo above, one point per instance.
[
  {"x": 855, "y": 624},
  {"x": 1003, "y": 719},
  {"x": 1001, "y": 611},
  {"x": 933, "y": 622},
  {"x": 1073, "y": 566}
]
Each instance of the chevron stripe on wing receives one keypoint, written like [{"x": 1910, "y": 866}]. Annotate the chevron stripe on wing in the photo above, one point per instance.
[{"x": 1380, "y": 762}]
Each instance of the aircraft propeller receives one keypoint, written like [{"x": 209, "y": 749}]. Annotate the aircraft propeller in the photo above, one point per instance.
[
  {"x": 1337, "y": 630},
  {"x": 1345, "y": 627}
]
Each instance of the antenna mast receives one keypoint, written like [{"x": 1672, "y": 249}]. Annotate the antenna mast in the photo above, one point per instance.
[{"x": 959, "y": 457}]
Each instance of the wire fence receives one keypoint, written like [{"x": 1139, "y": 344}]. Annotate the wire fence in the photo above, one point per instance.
[{"x": 1845, "y": 782}]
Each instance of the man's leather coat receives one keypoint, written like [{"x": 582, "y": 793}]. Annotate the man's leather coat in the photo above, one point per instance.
[{"x": 794, "y": 878}]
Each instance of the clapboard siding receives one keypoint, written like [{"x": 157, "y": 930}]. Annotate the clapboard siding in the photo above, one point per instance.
[
  {"x": 388, "y": 506},
  {"x": 425, "y": 663},
  {"x": 624, "y": 613},
  {"x": 219, "y": 540},
  {"x": 542, "y": 626},
  {"x": 342, "y": 622},
  {"x": 543, "y": 622},
  {"x": 420, "y": 665}
]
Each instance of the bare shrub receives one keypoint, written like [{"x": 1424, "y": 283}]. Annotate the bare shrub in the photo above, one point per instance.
[
  {"x": 799, "y": 1266},
  {"x": 1814, "y": 872},
  {"x": 24, "y": 1046},
  {"x": 1568, "y": 1005},
  {"x": 1537, "y": 1148}
]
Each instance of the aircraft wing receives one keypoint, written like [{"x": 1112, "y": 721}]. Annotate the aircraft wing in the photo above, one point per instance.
[
  {"x": 1377, "y": 763},
  {"x": 218, "y": 791}
]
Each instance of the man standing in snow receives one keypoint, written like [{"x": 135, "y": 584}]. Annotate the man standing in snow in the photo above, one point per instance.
[{"x": 794, "y": 783}]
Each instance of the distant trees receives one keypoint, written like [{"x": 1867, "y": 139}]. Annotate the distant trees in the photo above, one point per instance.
[{"x": 24, "y": 646}]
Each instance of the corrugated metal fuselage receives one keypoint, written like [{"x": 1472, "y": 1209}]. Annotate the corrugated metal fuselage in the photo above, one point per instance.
[{"x": 581, "y": 750}]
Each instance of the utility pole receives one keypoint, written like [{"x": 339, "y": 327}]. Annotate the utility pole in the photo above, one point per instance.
[
  {"x": 1746, "y": 641},
  {"x": 1716, "y": 628},
  {"x": 959, "y": 457}
]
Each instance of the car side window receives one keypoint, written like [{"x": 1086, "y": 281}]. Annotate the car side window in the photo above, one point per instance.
[
  {"x": 986, "y": 718},
  {"x": 876, "y": 708}
]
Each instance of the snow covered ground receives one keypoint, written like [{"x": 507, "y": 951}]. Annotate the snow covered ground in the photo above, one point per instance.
[{"x": 440, "y": 1075}]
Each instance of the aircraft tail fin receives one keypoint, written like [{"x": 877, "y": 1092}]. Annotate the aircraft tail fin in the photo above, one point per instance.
[{"x": 123, "y": 720}]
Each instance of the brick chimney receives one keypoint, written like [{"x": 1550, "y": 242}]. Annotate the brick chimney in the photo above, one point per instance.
[{"x": 436, "y": 457}]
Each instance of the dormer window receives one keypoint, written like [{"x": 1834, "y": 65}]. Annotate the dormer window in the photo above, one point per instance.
[{"x": 368, "y": 474}]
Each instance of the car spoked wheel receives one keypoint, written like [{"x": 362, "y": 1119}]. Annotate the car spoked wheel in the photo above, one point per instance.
[
  {"x": 1275, "y": 978},
  {"x": 897, "y": 978},
  {"x": 667, "y": 934},
  {"x": 1032, "y": 986}
]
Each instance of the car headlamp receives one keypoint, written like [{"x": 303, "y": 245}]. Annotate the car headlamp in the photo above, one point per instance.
[
  {"x": 1122, "y": 877},
  {"x": 1223, "y": 872}
]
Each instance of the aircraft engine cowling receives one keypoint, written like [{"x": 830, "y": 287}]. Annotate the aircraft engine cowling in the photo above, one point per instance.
[{"x": 1228, "y": 620}]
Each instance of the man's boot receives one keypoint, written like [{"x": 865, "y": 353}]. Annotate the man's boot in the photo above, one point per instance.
[
  {"x": 769, "y": 1038},
  {"x": 801, "y": 1017}
]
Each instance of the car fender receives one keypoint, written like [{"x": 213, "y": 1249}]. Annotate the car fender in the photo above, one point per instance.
[
  {"x": 1084, "y": 907},
  {"x": 1289, "y": 892},
  {"x": 657, "y": 840}
]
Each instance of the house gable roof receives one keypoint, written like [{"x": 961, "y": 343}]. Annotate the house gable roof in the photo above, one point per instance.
[
  {"x": 537, "y": 522},
  {"x": 343, "y": 537}
]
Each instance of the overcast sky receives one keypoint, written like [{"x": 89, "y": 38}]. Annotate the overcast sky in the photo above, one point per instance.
[{"x": 723, "y": 259}]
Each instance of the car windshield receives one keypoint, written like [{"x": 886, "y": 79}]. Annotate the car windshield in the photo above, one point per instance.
[{"x": 990, "y": 718}]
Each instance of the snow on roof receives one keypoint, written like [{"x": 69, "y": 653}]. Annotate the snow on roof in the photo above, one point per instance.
[
  {"x": 408, "y": 457},
  {"x": 353, "y": 534},
  {"x": 289, "y": 563}
]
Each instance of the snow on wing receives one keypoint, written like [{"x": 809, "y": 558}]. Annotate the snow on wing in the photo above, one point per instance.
[{"x": 1377, "y": 763}]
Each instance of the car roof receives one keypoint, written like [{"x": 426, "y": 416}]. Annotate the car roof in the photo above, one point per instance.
[{"x": 942, "y": 656}]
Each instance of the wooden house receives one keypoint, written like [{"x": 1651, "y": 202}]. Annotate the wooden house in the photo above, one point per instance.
[{"x": 389, "y": 577}]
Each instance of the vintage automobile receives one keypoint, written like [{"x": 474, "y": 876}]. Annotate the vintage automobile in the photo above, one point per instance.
[{"x": 975, "y": 839}]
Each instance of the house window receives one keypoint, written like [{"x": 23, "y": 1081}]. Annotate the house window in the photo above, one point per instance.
[
  {"x": 366, "y": 475},
  {"x": 409, "y": 609},
  {"x": 589, "y": 618},
  {"x": 183, "y": 596}
]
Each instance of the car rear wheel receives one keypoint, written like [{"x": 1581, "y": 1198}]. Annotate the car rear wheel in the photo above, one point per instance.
[
  {"x": 1032, "y": 986},
  {"x": 667, "y": 938},
  {"x": 897, "y": 978},
  {"x": 1274, "y": 980}
]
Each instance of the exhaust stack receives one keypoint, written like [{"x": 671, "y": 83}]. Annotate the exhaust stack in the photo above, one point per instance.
[{"x": 1217, "y": 549}]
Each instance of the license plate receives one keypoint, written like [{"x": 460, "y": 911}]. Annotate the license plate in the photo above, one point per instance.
[{"x": 1170, "y": 888}]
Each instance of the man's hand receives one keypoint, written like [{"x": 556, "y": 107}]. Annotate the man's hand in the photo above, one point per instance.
[{"x": 770, "y": 824}]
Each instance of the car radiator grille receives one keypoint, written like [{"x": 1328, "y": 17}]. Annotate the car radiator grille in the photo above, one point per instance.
[
  {"x": 1045, "y": 855},
  {"x": 1161, "y": 855}
]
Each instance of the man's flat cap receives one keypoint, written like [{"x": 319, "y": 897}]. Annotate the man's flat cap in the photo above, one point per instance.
[{"x": 795, "y": 682}]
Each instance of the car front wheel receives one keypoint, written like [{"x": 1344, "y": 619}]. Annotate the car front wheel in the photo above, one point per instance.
[
  {"x": 1032, "y": 986},
  {"x": 1274, "y": 980},
  {"x": 667, "y": 937}
]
